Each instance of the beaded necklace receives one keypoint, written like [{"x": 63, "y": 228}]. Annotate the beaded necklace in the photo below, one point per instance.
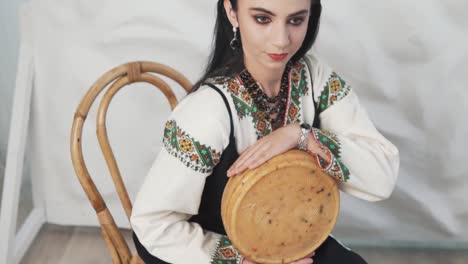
[{"x": 272, "y": 109}]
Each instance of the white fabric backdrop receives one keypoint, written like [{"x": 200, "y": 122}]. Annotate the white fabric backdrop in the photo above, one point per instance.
[{"x": 407, "y": 60}]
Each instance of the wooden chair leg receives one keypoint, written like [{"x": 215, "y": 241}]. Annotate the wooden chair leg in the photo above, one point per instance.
[{"x": 113, "y": 252}]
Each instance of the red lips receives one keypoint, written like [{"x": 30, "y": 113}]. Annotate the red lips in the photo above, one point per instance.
[{"x": 278, "y": 57}]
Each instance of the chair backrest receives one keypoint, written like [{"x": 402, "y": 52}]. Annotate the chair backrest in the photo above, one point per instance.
[{"x": 115, "y": 79}]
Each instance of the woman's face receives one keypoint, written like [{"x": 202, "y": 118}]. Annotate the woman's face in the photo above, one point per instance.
[{"x": 272, "y": 30}]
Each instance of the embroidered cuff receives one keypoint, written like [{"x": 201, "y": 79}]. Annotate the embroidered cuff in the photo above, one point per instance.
[
  {"x": 329, "y": 143},
  {"x": 225, "y": 253}
]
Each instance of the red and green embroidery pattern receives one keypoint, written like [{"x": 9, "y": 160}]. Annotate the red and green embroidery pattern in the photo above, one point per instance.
[
  {"x": 225, "y": 253},
  {"x": 194, "y": 155},
  {"x": 335, "y": 167},
  {"x": 299, "y": 88},
  {"x": 245, "y": 106},
  {"x": 335, "y": 89}
]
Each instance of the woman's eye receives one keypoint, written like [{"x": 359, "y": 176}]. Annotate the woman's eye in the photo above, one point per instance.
[
  {"x": 262, "y": 19},
  {"x": 296, "y": 21}
]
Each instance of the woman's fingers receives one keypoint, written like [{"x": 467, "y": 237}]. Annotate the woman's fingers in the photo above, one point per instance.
[
  {"x": 264, "y": 149},
  {"x": 246, "y": 261},
  {"x": 243, "y": 158},
  {"x": 255, "y": 158},
  {"x": 311, "y": 255},
  {"x": 303, "y": 261},
  {"x": 245, "y": 155},
  {"x": 307, "y": 260},
  {"x": 259, "y": 158}
]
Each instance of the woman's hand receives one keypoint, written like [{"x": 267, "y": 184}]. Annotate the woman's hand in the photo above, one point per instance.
[
  {"x": 306, "y": 260},
  {"x": 246, "y": 261},
  {"x": 276, "y": 143}
]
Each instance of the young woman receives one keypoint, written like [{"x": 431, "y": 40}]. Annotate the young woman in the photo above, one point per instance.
[{"x": 260, "y": 96}]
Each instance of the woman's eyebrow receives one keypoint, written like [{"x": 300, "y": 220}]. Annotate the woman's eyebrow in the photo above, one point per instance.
[
  {"x": 305, "y": 11},
  {"x": 302, "y": 12}
]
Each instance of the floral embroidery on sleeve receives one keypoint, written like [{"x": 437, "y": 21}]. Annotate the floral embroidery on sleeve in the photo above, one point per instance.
[
  {"x": 225, "y": 253},
  {"x": 330, "y": 144},
  {"x": 192, "y": 153},
  {"x": 334, "y": 90}
]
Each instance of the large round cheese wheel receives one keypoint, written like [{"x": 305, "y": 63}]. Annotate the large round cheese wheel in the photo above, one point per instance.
[{"x": 281, "y": 211}]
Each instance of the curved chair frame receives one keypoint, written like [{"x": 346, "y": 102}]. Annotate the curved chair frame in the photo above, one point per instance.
[{"x": 138, "y": 71}]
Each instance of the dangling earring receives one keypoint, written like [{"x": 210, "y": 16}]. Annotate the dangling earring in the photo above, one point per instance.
[{"x": 235, "y": 41}]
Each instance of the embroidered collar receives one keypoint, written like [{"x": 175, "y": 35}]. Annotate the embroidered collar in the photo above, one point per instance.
[
  {"x": 272, "y": 109},
  {"x": 294, "y": 79}
]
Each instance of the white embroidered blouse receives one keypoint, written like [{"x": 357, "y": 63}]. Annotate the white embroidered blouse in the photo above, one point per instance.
[{"x": 196, "y": 133}]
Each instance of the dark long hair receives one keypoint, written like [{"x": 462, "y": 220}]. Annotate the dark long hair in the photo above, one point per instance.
[{"x": 223, "y": 60}]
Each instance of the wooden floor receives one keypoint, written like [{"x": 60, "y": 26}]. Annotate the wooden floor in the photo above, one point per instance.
[{"x": 60, "y": 245}]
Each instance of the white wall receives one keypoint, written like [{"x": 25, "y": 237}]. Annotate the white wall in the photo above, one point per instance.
[{"x": 9, "y": 44}]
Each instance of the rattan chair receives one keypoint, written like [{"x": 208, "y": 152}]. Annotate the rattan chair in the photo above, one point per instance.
[{"x": 115, "y": 79}]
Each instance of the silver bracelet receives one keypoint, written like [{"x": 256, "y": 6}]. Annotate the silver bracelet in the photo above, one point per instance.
[{"x": 304, "y": 138}]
